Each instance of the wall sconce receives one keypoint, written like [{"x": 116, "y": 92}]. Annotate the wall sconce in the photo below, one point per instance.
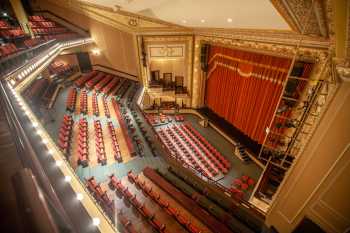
[{"x": 96, "y": 51}]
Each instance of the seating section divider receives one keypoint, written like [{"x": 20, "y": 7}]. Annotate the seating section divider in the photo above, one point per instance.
[{"x": 123, "y": 126}]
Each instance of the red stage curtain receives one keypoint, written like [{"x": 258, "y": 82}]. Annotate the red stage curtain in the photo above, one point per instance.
[{"x": 244, "y": 88}]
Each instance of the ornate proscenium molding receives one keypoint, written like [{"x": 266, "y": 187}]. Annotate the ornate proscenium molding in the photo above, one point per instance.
[{"x": 295, "y": 12}]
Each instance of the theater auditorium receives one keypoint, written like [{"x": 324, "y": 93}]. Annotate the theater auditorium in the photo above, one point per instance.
[{"x": 174, "y": 116}]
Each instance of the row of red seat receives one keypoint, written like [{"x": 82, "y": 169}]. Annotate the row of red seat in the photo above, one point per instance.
[
  {"x": 4, "y": 24},
  {"x": 59, "y": 68},
  {"x": 115, "y": 184},
  {"x": 36, "y": 18},
  {"x": 71, "y": 98},
  {"x": 175, "y": 144},
  {"x": 126, "y": 223},
  {"x": 7, "y": 49},
  {"x": 116, "y": 148},
  {"x": 163, "y": 203},
  {"x": 108, "y": 88},
  {"x": 179, "y": 118},
  {"x": 195, "y": 142},
  {"x": 42, "y": 24},
  {"x": 12, "y": 33},
  {"x": 95, "y": 105},
  {"x": 101, "y": 196},
  {"x": 65, "y": 133},
  {"x": 33, "y": 42},
  {"x": 204, "y": 160},
  {"x": 62, "y": 36},
  {"x": 84, "y": 78},
  {"x": 46, "y": 31},
  {"x": 103, "y": 82},
  {"x": 212, "y": 149},
  {"x": 105, "y": 107},
  {"x": 83, "y": 102},
  {"x": 83, "y": 143},
  {"x": 92, "y": 82},
  {"x": 100, "y": 146}
]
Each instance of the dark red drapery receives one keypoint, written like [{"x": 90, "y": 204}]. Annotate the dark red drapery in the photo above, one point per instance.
[{"x": 244, "y": 88}]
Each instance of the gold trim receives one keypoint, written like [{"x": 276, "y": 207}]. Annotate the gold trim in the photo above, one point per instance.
[
  {"x": 247, "y": 62},
  {"x": 244, "y": 75}
]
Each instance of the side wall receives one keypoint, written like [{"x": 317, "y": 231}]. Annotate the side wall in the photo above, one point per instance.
[
  {"x": 318, "y": 185},
  {"x": 118, "y": 47}
]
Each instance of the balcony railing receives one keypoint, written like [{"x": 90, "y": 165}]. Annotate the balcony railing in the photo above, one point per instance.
[{"x": 38, "y": 151}]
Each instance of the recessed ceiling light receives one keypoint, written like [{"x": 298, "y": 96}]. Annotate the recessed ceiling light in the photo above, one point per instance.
[
  {"x": 184, "y": 21},
  {"x": 229, "y": 20},
  {"x": 96, "y": 221},
  {"x": 202, "y": 20}
]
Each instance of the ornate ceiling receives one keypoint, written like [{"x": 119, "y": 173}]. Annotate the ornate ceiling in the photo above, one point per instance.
[
  {"x": 298, "y": 13},
  {"x": 253, "y": 14}
]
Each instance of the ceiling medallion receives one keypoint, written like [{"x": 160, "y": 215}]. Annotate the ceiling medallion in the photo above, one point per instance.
[{"x": 133, "y": 22}]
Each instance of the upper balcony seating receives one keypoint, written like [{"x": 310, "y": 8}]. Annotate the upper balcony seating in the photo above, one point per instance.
[
  {"x": 83, "y": 143},
  {"x": 116, "y": 149},
  {"x": 71, "y": 99},
  {"x": 7, "y": 49},
  {"x": 12, "y": 33},
  {"x": 100, "y": 147},
  {"x": 84, "y": 78},
  {"x": 103, "y": 82},
  {"x": 65, "y": 133},
  {"x": 4, "y": 24},
  {"x": 49, "y": 30},
  {"x": 36, "y": 18}
]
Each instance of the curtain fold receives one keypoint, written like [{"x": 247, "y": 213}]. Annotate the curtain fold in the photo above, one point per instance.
[{"x": 244, "y": 88}]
